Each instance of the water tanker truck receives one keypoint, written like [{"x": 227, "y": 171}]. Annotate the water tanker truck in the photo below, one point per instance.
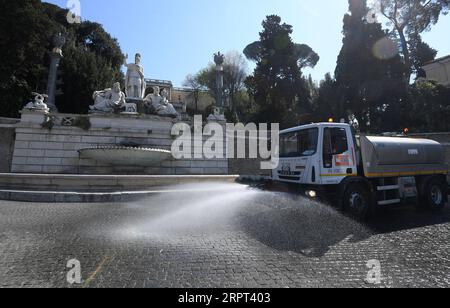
[{"x": 361, "y": 173}]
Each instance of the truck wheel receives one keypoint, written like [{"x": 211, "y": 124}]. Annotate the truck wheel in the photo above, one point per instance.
[
  {"x": 357, "y": 201},
  {"x": 435, "y": 197}
]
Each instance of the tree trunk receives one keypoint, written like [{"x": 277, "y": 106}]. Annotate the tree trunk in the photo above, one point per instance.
[
  {"x": 196, "y": 97},
  {"x": 406, "y": 55}
]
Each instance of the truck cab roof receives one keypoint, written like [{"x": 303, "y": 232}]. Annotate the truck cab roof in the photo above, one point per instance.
[{"x": 314, "y": 125}]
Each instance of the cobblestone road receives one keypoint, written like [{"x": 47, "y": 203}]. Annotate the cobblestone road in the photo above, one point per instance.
[{"x": 233, "y": 237}]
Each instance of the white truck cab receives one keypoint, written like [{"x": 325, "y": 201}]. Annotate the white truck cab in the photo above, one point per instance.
[
  {"x": 316, "y": 154},
  {"x": 362, "y": 172}
]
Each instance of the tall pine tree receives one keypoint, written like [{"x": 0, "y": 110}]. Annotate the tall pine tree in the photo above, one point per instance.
[
  {"x": 369, "y": 72},
  {"x": 277, "y": 85}
]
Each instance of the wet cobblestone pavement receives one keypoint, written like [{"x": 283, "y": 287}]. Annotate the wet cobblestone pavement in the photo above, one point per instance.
[{"x": 234, "y": 238}]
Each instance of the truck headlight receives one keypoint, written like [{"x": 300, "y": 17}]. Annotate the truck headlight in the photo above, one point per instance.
[{"x": 311, "y": 193}]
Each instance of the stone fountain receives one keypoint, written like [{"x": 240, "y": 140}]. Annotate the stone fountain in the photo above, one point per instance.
[
  {"x": 114, "y": 101},
  {"x": 120, "y": 150}
]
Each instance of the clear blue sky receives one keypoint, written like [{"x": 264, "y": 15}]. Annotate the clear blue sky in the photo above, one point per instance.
[{"x": 179, "y": 37}]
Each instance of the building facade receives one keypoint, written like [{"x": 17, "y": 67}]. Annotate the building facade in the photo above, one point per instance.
[
  {"x": 182, "y": 96},
  {"x": 438, "y": 70}
]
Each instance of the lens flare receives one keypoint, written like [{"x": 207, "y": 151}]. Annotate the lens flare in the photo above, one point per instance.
[{"x": 385, "y": 49}]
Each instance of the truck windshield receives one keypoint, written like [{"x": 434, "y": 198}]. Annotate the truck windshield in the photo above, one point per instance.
[{"x": 300, "y": 143}]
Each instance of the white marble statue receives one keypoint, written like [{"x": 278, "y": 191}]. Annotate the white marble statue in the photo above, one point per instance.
[
  {"x": 217, "y": 115},
  {"x": 38, "y": 104},
  {"x": 167, "y": 107},
  {"x": 130, "y": 108},
  {"x": 108, "y": 100},
  {"x": 160, "y": 103},
  {"x": 135, "y": 79}
]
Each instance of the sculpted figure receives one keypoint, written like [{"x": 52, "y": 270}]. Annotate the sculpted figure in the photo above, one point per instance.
[
  {"x": 219, "y": 59},
  {"x": 217, "y": 115},
  {"x": 58, "y": 41},
  {"x": 159, "y": 104},
  {"x": 166, "y": 108},
  {"x": 39, "y": 103},
  {"x": 135, "y": 80},
  {"x": 108, "y": 100}
]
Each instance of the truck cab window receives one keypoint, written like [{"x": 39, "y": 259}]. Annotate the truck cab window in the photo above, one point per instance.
[
  {"x": 289, "y": 145},
  {"x": 307, "y": 141},
  {"x": 299, "y": 144},
  {"x": 334, "y": 143}
]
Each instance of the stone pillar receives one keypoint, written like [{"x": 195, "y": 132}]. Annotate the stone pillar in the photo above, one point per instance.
[
  {"x": 52, "y": 79},
  {"x": 55, "y": 58},
  {"x": 219, "y": 60}
]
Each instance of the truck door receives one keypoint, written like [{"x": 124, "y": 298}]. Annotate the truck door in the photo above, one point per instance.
[{"x": 338, "y": 159}]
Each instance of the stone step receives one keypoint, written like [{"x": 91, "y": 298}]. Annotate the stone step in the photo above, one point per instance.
[
  {"x": 80, "y": 197},
  {"x": 94, "y": 189},
  {"x": 101, "y": 183}
]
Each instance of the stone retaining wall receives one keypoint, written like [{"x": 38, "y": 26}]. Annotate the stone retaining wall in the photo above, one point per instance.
[
  {"x": 248, "y": 167},
  {"x": 6, "y": 147},
  {"x": 7, "y": 131},
  {"x": 55, "y": 151}
]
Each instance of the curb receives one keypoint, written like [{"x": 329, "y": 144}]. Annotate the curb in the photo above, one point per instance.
[
  {"x": 86, "y": 197},
  {"x": 72, "y": 197}
]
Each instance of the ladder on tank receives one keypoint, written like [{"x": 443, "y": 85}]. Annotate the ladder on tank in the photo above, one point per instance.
[{"x": 388, "y": 191}]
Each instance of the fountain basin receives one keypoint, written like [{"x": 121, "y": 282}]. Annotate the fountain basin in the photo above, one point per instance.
[{"x": 126, "y": 156}]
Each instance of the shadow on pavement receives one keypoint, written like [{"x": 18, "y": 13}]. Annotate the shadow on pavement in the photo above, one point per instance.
[
  {"x": 290, "y": 222},
  {"x": 293, "y": 223},
  {"x": 406, "y": 217}
]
